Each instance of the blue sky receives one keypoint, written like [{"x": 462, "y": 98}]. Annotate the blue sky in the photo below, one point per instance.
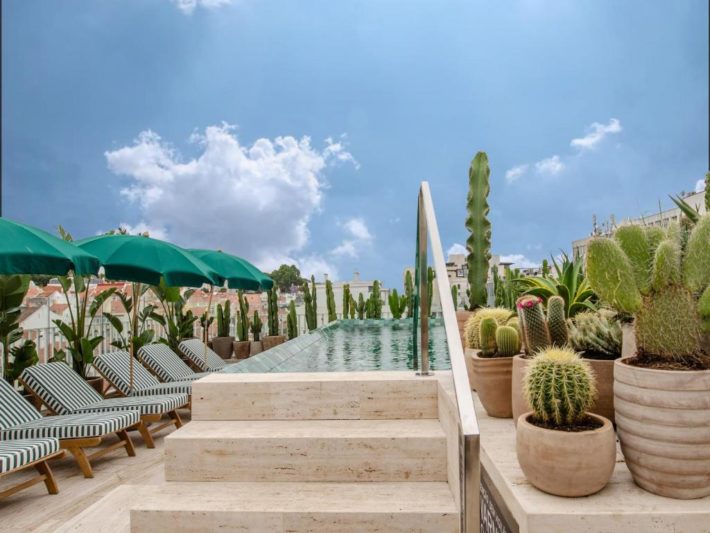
[{"x": 291, "y": 130}]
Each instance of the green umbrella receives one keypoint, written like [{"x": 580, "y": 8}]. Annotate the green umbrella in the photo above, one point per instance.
[
  {"x": 238, "y": 273},
  {"x": 29, "y": 250},
  {"x": 144, "y": 260}
]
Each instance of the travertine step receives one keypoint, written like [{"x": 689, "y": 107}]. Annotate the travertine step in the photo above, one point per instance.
[
  {"x": 314, "y": 396},
  {"x": 294, "y": 507},
  {"x": 308, "y": 450}
]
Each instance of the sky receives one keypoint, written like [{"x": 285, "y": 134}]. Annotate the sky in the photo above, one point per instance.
[{"x": 299, "y": 131}]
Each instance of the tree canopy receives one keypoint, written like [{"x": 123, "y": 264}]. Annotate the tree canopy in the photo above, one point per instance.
[{"x": 287, "y": 276}]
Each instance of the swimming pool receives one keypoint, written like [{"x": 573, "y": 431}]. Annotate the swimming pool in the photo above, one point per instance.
[{"x": 351, "y": 345}]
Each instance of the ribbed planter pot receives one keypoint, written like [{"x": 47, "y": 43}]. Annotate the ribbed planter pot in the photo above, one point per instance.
[
  {"x": 461, "y": 318},
  {"x": 222, "y": 346},
  {"x": 564, "y": 463},
  {"x": 255, "y": 348},
  {"x": 604, "y": 373},
  {"x": 493, "y": 379},
  {"x": 663, "y": 423},
  {"x": 628, "y": 340},
  {"x": 519, "y": 403},
  {"x": 272, "y": 340},
  {"x": 241, "y": 349}
]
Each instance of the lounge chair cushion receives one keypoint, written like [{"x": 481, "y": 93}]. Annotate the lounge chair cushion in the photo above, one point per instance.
[
  {"x": 166, "y": 364},
  {"x": 73, "y": 426},
  {"x": 194, "y": 350},
  {"x": 14, "y": 409},
  {"x": 18, "y": 453},
  {"x": 114, "y": 366},
  {"x": 64, "y": 392}
]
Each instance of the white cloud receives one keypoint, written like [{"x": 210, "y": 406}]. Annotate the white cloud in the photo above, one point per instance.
[
  {"x": 358, "y": 229},
  {"x": 514, "y": 173},
  {"x": 700, "y": 185},
  {"x": 141, "y": 228},
  {"x": 338, "y": 151},
  {"x": 456, "y": 249},
  {"x": 314, "y": 265},
  {"x": 550, "y": 166},
  {"x": 519, "y": 261},
  {"x": 189, "y": 6},
  {"x": 254, "y": 201},
  {"x": 359, "y": 237},
  {"x": 596, "y": 134}
]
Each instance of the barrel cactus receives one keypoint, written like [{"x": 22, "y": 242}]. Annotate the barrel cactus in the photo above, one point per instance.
[
  {"x": 473, "y": 324},
  {"x": 507, "y": 341},
  {"x": 596, "y": 332},
  {"x": 559, "y": 386},
  {"x": 664, "y": 283},
  {"x": 498, "y": 341}
]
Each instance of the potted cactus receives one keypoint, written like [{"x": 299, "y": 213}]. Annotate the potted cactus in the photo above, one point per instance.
[
  {"x": 256, "y": 326},
  {"x": 662, "y": 394},
  {"x": 562, "y": 448},
  {"x": 539, "y": 331},
  {"x": 471, "y": 334},
  {"x": 222, "y": 343},
  {"x": 597, "y": 336},
  {"x": 242, "y": 344},
  {"x": 273, "y": 338},
  {"x": 492, "y": 366},
  {"x": 292, "y": 321}
]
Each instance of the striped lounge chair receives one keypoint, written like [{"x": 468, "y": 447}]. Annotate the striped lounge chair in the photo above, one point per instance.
[
  {"x": 19, "y": 421},
  {"x": 114, "y": 367},
  {"x": 63, "y": 391},
  {"x": 194, "y": 352},
  {"x": 166, "y": 365},
  {"x": 16, "y": 455}
]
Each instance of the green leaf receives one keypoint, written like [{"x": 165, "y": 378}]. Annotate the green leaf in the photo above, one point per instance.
[
  {"x": 100, "y": 299},
  {"x": 115, "y": 322}
]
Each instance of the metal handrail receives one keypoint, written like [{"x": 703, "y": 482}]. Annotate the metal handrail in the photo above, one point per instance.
[{"x": 469, "y": 437}]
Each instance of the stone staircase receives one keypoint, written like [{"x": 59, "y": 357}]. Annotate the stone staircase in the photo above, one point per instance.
[{"x": 332, "y": 452}]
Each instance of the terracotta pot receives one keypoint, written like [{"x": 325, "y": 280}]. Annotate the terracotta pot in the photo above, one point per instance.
[
  {"x": 241, "y": 349},
  {"x": 468, "y": 357},
  {"x": 97, "y": 383},
  {"x": 663, "y": 423},
  {"x": 222, "y": 346},
  {"x": 566, "y": 463},
  {"x": 461, "y": 318},
  {"x": 272, "y": 341},
  {"x": 493, "y": 379},
  {"x": 518, "y": 401},
  {"x": 628, "y": 340},
  {"x": 604, "y": 373},
  {"x": 255, "y": 347}
]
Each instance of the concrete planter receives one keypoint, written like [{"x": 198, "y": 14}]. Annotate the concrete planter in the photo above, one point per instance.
[
  {"x": 241, "y": 349},
  {"x": 566, "y": 463},
  {"x": 273, "y": 340},
  {"x": 493, "y": 380},
  {"x": 604, "y": 373},
  {"x": 461, "y": 318},
  {"x": 255, "y": 347},
  {"x": 663, "y": 423},
  {"x": 519, "y": 403},
  {"x": 222, "y": 346}
]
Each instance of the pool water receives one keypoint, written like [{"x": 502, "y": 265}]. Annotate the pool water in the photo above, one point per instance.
[{"x": 351, "y": 345}]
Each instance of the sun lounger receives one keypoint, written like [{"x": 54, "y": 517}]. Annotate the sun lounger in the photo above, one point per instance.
[
  {"x": 166, "y": 365},
  {"x": 19, "y": 455},
  {"x": 19, "y": 420},
  {"x": 63, "y": 391},
  {"x": 194, "y": 351}
]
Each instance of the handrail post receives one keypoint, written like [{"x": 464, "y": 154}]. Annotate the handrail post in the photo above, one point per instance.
[{"x": 422, "y": 242}]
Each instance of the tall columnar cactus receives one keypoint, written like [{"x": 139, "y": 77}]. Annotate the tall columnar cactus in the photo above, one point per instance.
[
  {"x": 330, "y": 301},
  {"x": 256, "y": 326},
  {"x": 273, "y": 311},
  {"x": 556, "y": 321},
  {"x": 309, "y": 301},
  {"x": 455, "y": 296},
  {"x": 373, "y": 308},
  {"x": 243, "y": 318},
  {"x": 533, "y": 324},
  {"x": 596, "y": 332},
  {"x": 559, "y": 386},
  {"x": 224, "y": 317},
  {"x": 473, "y": 324},
  {"x": 361, "y": 306},
  {"x": 292, "y": 321},
  {"x": 346, "y": 300},
  {"x": 397, "y": 304},
  {"x": 667, "y": 295},
  {"x": 314, "y": 302},
  {"x": 409, "y": 293},
  {"x": 353, "y": 307},
  {"x": 479, "y": 241},
  {"x": 487, "y": 335}
]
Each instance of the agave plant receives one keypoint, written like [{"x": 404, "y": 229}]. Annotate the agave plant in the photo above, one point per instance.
[{"x": 569, "y": 282}]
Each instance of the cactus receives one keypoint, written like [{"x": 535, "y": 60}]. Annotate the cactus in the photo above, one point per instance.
[
  {"x": 256, "y": 326},
  {"x": 361, "y": 306},
  {"x": 666, "y": 296},
  {"x": 455, "y": 296},
  {"x": 507, "y": 341},
  {"x": 353, "y": 307},
  {"x": 409, "y": 293},
  {"x": 596, "y": 332},
  {"x": 556, "y": 322},
  {"x": 559, "y": 386},
  {"x": 397, "y": 304},
  {"x": 273, "y": 312},
  {"x": 473, "y": 324},
  {"x": 536, "y": 334},
  {"x": 479, "y": 242},
  {"x": 487, "y": 336},
  {"x": 292, "y": 321},
  {"x": 243, "y": 318},
  {"x": 224, "y": 317},
  {"x": 346, "y": 300},
  {"x": 330, "y": 301},
  {"x": 309, "y": 299},
  {"x": 545, "y": 269},
  {"x": 373, "y": 308}
]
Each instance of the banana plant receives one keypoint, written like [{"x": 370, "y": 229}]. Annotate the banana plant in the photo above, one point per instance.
[
  {"x": 177, "y": 323},
  {"x": 143, "y": 335}
]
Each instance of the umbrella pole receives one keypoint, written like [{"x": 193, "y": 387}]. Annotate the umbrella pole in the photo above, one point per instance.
[
  {"x": 206, "y": 326},
  {"x": 136, "y": 302}
]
